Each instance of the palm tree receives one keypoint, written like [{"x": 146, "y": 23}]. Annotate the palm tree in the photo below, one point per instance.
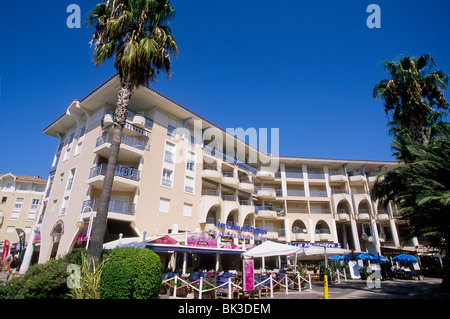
[
  {"x": 413, "y": 95},
  {"x": 421, "y": 188},
  {"x": 137, "y": 34}
]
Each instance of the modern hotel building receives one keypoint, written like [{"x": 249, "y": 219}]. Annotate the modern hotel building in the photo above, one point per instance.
[{"x": 178, "y": 172}]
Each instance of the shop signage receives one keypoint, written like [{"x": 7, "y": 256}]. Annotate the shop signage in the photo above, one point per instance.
[
  {"x": 245, "y": 229},
  {"x": 328, "y": 245}
]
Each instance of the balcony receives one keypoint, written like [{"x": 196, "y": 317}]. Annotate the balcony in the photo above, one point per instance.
[
  {"x": 296, "y": 192},
  {"x": 337, "y": 176},
  {"x": 212, "y": 172},
  {"x": 323, "y": 234},
  {"x": 117, "y": 209},
  {"x": 343, "y": 214},
  {"x": 230, "y": 179},
  {"x": 372, "y": 177},
  {"x": 265, "y": 174},
  {"x": 246, "y": 185},
  {"x": 316, "y": 175},
  {"x": 318, "y": 193},
  {"x": 294, "y": 175},
  {"x": 299, "y": 233},
  {"x": 125, "y": 178},
  {"x": 363, "y": 214},
  {"x": 382, "y": 214},
  {"x": 266, "y": 192},
  {"x": 357, "y": 177},
  {"x": 269, "y": 212},
  {"x": 131, "y": 148}
]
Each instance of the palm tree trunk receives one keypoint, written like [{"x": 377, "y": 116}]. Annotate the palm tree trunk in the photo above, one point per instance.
[{"x": 99, "y": 226}]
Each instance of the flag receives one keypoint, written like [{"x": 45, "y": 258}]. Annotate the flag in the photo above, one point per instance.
[
  {"x": 6, "y": 245},
  {"x": 21, "y": 245}
]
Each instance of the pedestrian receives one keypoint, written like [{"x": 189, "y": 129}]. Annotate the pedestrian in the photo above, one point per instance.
[{"x": 13, "y": 268}]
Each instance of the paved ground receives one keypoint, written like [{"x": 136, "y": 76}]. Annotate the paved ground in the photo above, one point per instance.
[
  {"x": 357, "y": 289},
  {"x": 354, "y": 289}
]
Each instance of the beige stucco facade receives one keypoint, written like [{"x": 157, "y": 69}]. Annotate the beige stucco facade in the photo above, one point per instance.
[
  {"x": 20, "y": 200},
  {"x": 177, "y": 173}
]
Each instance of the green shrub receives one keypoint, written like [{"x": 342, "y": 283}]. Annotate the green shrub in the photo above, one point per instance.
[
  {"x": 41, "y": 281},
  {"x": 146, "y": 267},
  {"x": 117, "y": 281}
]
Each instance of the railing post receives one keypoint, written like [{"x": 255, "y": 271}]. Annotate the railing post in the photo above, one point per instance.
[
  {"x": 299, "y": 282},
  {"x": 175, "y": 287},
  {"x": 229, "y": 288},
  {"x": 310, "y": 286},
  {"x": 201, "y": 288},
  {"x": 286, "y": 282},
  {"x": 271, "y": 286}
]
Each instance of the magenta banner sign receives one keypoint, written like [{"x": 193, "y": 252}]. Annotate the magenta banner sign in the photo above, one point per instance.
[{"x": 248, "y": 274}]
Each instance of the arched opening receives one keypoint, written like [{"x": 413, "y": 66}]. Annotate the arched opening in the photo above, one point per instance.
[
  {"x": 56, "y": 233},
  {"x": 322, "y": 227},
  {"x": 364, "y": 207},
  {"x": 343, "y": 207},
  {"x": 299, "y": 227}
]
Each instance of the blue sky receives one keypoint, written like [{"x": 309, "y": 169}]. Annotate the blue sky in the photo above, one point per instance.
[{"x": 305, "y": 67}]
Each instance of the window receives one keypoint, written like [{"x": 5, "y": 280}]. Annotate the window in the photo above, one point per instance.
[
  {"x": 64, "y": 205},
  {"x": 16, "y": 209},
  {"x": 171, "y": 131},
  {"x": 78, "y": 147},
  {"x": 169, "y": 153},
  {"x": 189, "y": 185},
  {"x": 70, "y": 181},
  {"x": 34, "y": 204},
  {"x": 167, "y": 178},
  {"x": 4, "y": 200},
  {"x": 190, "y": 162},
  {"x": 33, "y": 209},
  {"x": 10, "y": 229},
  {"x": 24, "y": 187},
  {"x": 187, "y": 210},
  {"x": 164, "y": 205},
  {"x": 18, "y": 203}
]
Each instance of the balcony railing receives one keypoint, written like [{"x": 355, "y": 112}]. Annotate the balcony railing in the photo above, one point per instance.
[
  {"x": 210, "y": 192},
  {"x": 297, "y": 211},
  {"x": 232, "y": 160},
  {"x": 229, "y": 198},
  {"x": 115, "y": 206},
  {"x": 245, "y": 202},
  {"x": 316, "y": 175},
  {"x": 126, "y": 139},
  {"x": 335, "y": 191},
  {"x": 320, "y": 211},
  {"x": 121, "y": 170},
  {"x": 299, "y": 230},
  {"x": 314, "y": 193},
  {"x": 296, "y": 192},
  {"x": 323, "y": 231},
  {"x": 294, "y": 175},
  {"x": 342, "y": 211}
]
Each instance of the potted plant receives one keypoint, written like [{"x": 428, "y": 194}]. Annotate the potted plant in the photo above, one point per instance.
[
  {"x": 180, "y": 287},
  {"x": 208, "y": 283}
]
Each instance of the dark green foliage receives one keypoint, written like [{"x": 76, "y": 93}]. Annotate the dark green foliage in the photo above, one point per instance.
[
  {"x": 117, "y": 281},
  {"x": 41, "y": 281},
  {"x": 145, "y": 266}
]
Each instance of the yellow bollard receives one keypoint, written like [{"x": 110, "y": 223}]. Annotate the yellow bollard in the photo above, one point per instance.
[{"x": 325, "y": 287}]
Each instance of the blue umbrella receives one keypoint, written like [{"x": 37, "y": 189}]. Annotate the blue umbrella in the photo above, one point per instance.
[
  {"x": 335, "y": 257},
  {"x": 405, "y": 257},
  {"x": 366, "y": 256}
]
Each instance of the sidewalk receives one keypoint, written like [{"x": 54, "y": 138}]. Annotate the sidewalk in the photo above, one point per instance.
[{"x": 357, "y": 289}]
